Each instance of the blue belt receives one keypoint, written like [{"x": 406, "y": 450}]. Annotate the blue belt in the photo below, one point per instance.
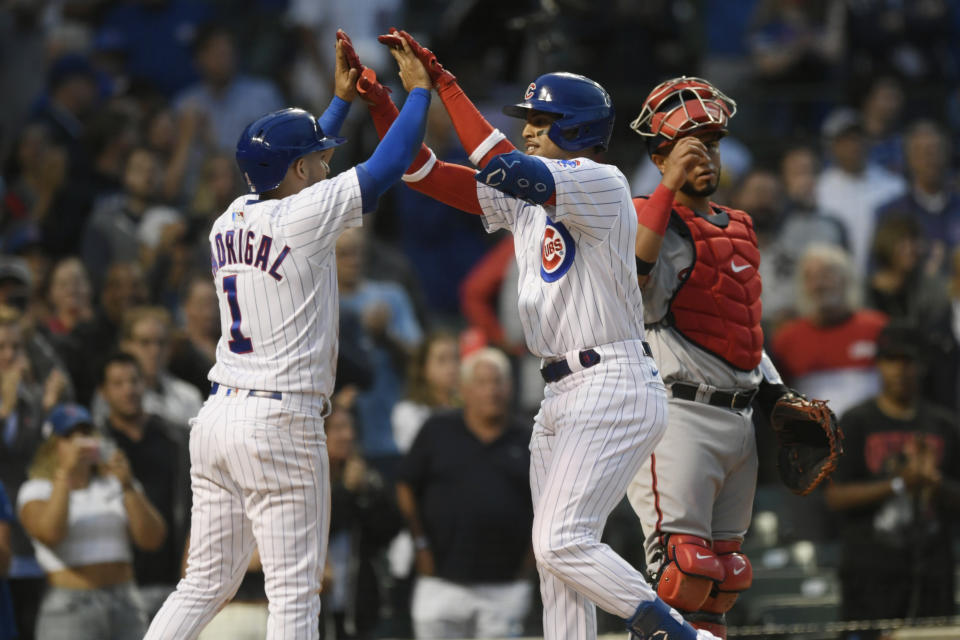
[
  {"x": 272, "y": 395},
  {"x": 588, "y": 358}
]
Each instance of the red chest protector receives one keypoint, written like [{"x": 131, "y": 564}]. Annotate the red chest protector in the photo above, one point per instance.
[{"x": 717, "y": 305}]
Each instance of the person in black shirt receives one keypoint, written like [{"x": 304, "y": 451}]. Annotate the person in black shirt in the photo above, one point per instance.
[
  {"x": 157, "y": 455},
  {"x": 463, "y": 489},
  {"x": 898, "y": 489}
]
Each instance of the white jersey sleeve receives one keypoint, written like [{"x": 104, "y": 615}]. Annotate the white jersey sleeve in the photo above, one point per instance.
[
  {"x": 312, "y": 220},
  {"x": 500, "y": 210}
]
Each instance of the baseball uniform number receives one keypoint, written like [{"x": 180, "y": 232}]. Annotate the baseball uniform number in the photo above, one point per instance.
[{"x": 239, "y": 343}]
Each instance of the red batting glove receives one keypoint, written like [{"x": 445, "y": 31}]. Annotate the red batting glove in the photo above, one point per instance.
[
  {"x": 352, "y": 58},
  {"x": 371, "y": 91},
  {"x": 440, "y": 76}
]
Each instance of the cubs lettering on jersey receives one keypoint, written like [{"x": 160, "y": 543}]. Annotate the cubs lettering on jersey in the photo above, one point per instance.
[{"x": 577, "y": 273}]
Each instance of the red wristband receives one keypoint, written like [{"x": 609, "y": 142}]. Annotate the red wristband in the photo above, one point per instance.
[{"x": 654, "y": 212}]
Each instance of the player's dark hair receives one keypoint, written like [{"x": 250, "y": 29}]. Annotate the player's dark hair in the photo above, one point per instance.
[{"x": 117, "y": 357}]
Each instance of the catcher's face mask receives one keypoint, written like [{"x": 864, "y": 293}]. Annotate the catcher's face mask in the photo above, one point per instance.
[{"x": 678, "y": 107}]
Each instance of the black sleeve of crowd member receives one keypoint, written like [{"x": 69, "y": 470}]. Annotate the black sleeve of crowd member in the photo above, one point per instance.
[{"x": 353, "y": 357}]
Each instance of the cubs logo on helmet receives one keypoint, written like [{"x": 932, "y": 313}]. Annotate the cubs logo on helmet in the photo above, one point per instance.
[
  {"x": 584, "y": 109},
  {"x": 557, "y": 251}
]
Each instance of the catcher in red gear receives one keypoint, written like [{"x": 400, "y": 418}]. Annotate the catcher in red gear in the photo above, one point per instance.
[{"x": 697, "y": 264}]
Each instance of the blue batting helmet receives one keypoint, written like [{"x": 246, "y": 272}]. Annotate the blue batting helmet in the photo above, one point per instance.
[
  {"x": 270, "y": 144},
  {"x": 585, "y": 110}
]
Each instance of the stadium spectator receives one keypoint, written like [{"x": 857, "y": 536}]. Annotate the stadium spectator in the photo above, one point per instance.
[
  {"x": 218, "y": 186},
  {"x": 146, "y": 336},
  {"x": 933, "y": 199},
  {"x": 70, "y": 297},
  {"x": 363, "y": 519},
  {"x": 123, "y": 288},
  {"x": 828, "y": 352},
  {"x": 21, "y": 415},
  {"x": 882, "y": 110},
  {"x": 898, "y": 489},
  {"x": 801, "y": 225},
  {"x": 900, "y": 287},
  {"x": 158, "y": 458},
  {"x": 224, "y": 99},
  {"x": 37, "y": 171},
  {"x": 82, "y": 509},
  {"x": 852, "y": 187},
  {"x": 761, "y": 193},
  {"x": 110, "y": 138},
  {"x": 69, "y": 101},
  {"x": 432, "y": 385},
  {"x": 194, "y": 346},
  {"x": 388, "y": 319},
  {"x": 462, "y": 489},
  {"x": 314, "y": 25},
  {"x": 114, "y": 232}
]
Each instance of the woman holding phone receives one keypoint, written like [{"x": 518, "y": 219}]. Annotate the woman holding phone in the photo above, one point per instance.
[{"x": 82, "y": 509}]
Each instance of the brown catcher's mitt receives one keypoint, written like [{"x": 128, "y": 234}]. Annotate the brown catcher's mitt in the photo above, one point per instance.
[{"x": 810, "y": 442}]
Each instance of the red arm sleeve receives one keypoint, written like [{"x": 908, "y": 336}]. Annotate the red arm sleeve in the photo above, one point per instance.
[
  {"x": 480, "y": 287},
  {"x": 451, "y": 184},
  {"x": 478, "y": 137},
  {"x": 654, "y": 212}
]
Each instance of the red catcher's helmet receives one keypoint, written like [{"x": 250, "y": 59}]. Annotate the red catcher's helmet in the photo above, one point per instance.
[{"x": 677, "y": 107}]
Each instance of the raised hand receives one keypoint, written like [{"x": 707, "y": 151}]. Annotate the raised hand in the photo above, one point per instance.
[
  {"x": 345, "y": 73},
  {"x": 438, "y": 75},
  {"x": 353, "y": 60},
  {"x": 413, "y": 73},
  {"x": 370, "y": 90},
  {"x": 686, "y": 154}
]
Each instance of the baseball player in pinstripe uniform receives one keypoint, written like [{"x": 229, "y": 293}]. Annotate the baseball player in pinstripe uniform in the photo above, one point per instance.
[
  {"x": 259, "y": 466},
  {"x": 698, "y": 264},
  {"x": 605, "y": 406}
]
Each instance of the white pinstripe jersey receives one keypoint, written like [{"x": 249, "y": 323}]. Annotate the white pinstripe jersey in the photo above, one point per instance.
[
  {"x": 578, "y": 275},
  {"x": 276, "y": 279}
]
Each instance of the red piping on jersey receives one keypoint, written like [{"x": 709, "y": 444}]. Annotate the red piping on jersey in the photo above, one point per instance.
[{"x": 656, "y": 496}]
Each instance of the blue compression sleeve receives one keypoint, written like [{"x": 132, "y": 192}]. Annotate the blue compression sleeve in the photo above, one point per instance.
[
  {"x": 332, "y": 119},
  {"x": 396, "y": 151}
]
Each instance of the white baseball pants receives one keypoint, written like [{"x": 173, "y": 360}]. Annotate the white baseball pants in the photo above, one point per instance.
[
  {"x": 594, "y": 430},
  {"x": 260, "y": 475}
]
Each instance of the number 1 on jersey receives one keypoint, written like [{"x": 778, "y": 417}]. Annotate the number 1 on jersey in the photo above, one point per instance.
[{"x": 240, "y": 343}]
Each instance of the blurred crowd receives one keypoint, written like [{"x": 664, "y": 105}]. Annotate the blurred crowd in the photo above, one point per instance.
[{"x": 117, "y": 131}]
